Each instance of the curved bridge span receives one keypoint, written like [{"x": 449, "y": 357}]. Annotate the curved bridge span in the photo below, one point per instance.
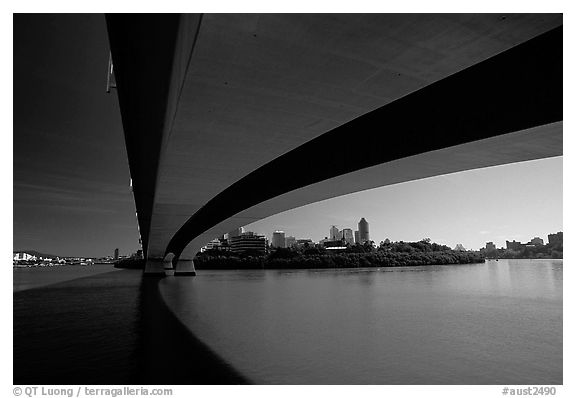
[{"x": 229, "y": 119}]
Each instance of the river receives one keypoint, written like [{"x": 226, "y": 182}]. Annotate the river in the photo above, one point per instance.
[{"x": 493, "y": 323}]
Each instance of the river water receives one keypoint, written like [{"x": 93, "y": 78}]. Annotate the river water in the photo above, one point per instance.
[{"x": 493, "y": 323}]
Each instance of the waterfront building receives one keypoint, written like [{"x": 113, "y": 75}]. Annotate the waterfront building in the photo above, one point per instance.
[
  {"x": 116, "y": 253},
  {"x": 348, "y": 236},
  {"x": 363, "y": 230},
  {"x": 537, "y": 241},
  {"x": 279, "y": 239},
  {"x": 248, "y": 241},
  {"x": 459, "y": 248},
  {"x": 490, "y": 246},
  {"x": 290, "y": 241},
  {"x": 356, "y": 237},
  {"x": 556, "y": 238}
]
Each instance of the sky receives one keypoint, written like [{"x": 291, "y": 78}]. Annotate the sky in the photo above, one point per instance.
[
  {"x": 516, "y": 201},
  {"x": 71, "y": 179},
  {"x": 71, "y": 194}
]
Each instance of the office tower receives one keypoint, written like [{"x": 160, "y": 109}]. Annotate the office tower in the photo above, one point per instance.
[
  {"x": 363, "y": 230},
  {"x": 348, "y": 236},
  {"x": 248, "y": 242},
  {"x": 334, "y": 233},
  {"x": 279, "y": 239},
  {"x": 290, "y": 241},
  {"x": 235, "y": 232}
]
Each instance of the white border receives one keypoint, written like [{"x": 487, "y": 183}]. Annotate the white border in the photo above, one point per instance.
[{"x": 295, "y": 6}]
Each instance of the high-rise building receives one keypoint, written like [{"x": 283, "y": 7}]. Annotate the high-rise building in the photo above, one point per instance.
[
  {"x": 555, "y": 238},
  {"x": 290, "y": 241},
  {"x": 116, "y": 253},
  {"x": 348, "y": 236},
  {"x": 279, "y": 239},
  {"x": 248, "y": 241},
  {"x": 334, "y": 233},
  {"x": 235, "y": 232},
  {"x": 356, "y": 237},
  {"x": 363, "y": 230},
  {"x": 490, "y": 246}
]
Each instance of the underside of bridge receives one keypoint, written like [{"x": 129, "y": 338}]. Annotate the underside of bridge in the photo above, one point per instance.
[{"x": 229, "y": 119}]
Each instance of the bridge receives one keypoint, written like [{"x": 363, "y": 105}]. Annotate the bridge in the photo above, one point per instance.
[{"x": 229, "y": 119}]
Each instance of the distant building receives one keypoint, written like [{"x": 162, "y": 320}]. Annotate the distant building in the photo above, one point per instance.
[
  {"x": 24, "y": 256},
  {"x": 322, "y": 242},
  {"x": 279, "y": 239},
  {"x": 514, "y": 245},
  {"x": 537, "y": 241},
  {"x": 116, "y": 253},
  {"x": 334, "y": 233},
  {"x": 214, "y": 244},
  {"x": 235, "y": 232},
  {"x": 248, "y": 241},
  {"x": 490, "y": 246},
  {"x": 363, "y": 230},
  {"x": 356, "y": 237},
  {"x": 348, "y": 236},
  {"x": 304, "y": 243},
  {"x": 556, "y": 238},
  {"x": 459, "y": 248},
  {"x": 290, "y": 241},
  {"x": 334, "y": 244}
]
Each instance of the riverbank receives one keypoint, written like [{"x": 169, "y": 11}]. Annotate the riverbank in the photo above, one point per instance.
[{"x": 296, "y": 260}]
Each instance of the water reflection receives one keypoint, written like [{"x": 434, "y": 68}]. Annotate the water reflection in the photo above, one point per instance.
[{"x": 469, "y": 324}]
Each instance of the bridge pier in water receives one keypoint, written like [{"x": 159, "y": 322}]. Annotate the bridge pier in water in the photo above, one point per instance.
[
  {"x": 164, "y": 267},
  {"x": 185, "y": 268},
  {"x": 154, "y": 267}
]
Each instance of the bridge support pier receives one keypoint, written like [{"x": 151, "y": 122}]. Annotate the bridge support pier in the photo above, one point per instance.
[
  {"x": 154, "y": 267},
  {"x": 185, "y": 268}
]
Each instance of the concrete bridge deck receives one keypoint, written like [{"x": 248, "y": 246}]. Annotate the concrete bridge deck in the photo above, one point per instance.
[{"x": 232, "y": 118}]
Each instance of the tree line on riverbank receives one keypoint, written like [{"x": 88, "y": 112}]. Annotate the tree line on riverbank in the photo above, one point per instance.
[
  {"x": 550, "y": 250},
  {"x": 397, "y": 254}
]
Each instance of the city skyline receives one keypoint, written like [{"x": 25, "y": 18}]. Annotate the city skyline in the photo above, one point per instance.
[
  {"x": 537, "y": 214},
  {"x": 544, "y": 204},
  {"x": 82, "y": 204}
]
